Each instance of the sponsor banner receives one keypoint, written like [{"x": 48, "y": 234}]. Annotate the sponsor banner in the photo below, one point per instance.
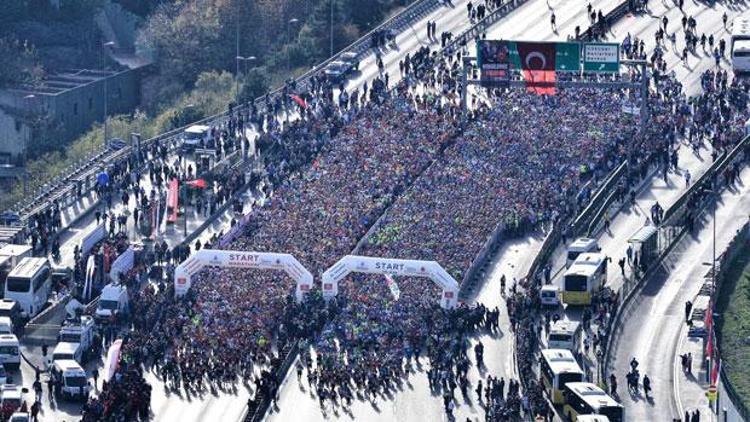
[
  {"x": 92, "y": 238},
  {"x": 494, "y": 63},
  {"x": 122, "y": 264},
  {"x": 240, "y": 259}
]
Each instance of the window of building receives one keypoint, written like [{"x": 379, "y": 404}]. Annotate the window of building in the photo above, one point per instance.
[
  {"x": 75, "y": 109},
  {"x": 18, "y": 125},
  {"x": 91, "y": 103}
]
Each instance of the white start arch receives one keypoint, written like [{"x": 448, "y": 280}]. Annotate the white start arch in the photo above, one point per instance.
[
  {"x": 394, "y": 267},
  {"x": 238, "y": 259}
]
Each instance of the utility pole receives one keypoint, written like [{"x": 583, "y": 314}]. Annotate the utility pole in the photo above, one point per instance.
[
  {"x": 237, "y": 61},
  {"x": 106, "y": 94},
  {"x": 292, "y": 21},
  {"x": 465, "y": 84},
  {"x": 331, "y": 50}
]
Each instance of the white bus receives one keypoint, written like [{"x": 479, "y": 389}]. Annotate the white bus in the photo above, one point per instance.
[
  {"x": 29, "y": 284},
  {"x": 558, "y": 367},
  {"x": 584, "y": 278},
  {"x": 565, "y": 335},
  {"x": 579, "y": 246},
  {"x": 740, "y": 45},
  {"x": 585, "y": 398}
]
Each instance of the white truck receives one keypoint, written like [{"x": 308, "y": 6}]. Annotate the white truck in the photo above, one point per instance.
[
  {"x": 113, "y": 301},
  {"x": 79, "y": 331},
  {"x": 67, "y": 351},
  {"x": 73, "y": 379}
]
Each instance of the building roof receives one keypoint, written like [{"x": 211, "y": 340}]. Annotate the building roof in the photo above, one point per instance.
[{"x": 65, "y": 80}]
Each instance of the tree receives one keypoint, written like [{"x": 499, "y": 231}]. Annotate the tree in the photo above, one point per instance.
[
  {"x": 254, "y": 85},
  {"x": 20, "y": 63}
]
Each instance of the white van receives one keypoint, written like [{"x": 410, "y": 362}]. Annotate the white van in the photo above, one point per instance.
[
  {"x": 11, "y": 397},
  {"x": 6, "y": 325},
  {"x": 10, "y": 356},
  {"x": 549, "y": 295},
  {"x": 72, "y": 377},
  {"x": 113, "y": 301},
  {"x": 579, "y": 246},
  {"x": 193, "y": 135},
  {"x": 68, "y": 351},
  {"x": 565, "y": 335}
]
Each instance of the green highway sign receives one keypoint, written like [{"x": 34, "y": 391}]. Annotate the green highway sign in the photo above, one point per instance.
[
  {"x": 568, "y": 57},
  {"x": 601, "y": 57}
]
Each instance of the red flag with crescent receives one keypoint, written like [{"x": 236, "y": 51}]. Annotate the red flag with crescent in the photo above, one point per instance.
[
  {"x": 538, "y": 66},
  {"x": 299, "y": 100}
]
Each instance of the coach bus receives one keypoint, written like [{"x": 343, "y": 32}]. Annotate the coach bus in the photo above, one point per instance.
[
  {"x": 29, "y": 284},
  {"x": 584, "y": 278},
  {"x": 558, "y": 368},
  {"x": 585, "y": 398}
]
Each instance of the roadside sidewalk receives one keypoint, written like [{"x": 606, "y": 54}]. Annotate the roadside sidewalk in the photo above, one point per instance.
[{"x": 690, "y": 387}]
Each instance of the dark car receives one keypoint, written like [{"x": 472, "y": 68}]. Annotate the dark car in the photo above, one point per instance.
[
  {"x": 351, "y": 60},
  {"x": 336, "y": 71}
]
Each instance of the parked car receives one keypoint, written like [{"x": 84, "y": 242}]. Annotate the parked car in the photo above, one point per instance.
[
  {"x": 352, "y": 61},
  {"x": 336, "y": 71}
]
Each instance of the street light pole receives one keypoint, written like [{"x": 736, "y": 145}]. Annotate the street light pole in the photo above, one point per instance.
[
  {"x": 25, "y": 152},
  {"x": 239, "y": 59},
  {"x": 289, "y": 40},
  {"x": 106, "y": 94},
  {"x": 331, "y": 49}
]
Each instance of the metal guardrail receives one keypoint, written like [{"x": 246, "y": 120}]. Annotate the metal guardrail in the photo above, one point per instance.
[
  {"x": 481, "y": 27},
  {"x": 593, "y": 31},
  {"x": 718, "y": 166},
  {"x": 599, "y": 198},
  {"x": 61, "y": 189}
]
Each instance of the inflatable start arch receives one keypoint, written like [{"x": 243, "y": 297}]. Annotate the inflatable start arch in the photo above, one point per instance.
[
  {"x": 395, "y": 267},
  {"x": 237, "y": 259}
]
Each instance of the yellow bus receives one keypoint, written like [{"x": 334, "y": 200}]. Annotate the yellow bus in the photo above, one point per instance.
[
  {"x": 585, "y": 398},
  {"x": 558, "y": 368},
  {"x": 584, "y": 278}
]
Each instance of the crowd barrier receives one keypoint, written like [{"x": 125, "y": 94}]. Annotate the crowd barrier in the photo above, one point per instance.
[{"x": 258, "y": 413}]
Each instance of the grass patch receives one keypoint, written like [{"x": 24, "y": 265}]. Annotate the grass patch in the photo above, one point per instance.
[{"x": 734, "y": 326}]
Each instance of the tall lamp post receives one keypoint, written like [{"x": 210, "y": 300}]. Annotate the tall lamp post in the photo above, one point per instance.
[
  {"x": 244, "y": 60},
  {"x": 29, "y": 98},
  {"x": 106, "y": 94},
  {"x": 289, "y": 39},
  {"x": 713, "y": 268},
  {"x": 331, "y": 34}
]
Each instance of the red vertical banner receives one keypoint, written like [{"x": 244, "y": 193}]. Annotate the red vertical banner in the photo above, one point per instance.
[
  {"x": 173, "y": 195},
  {"x": 709, "y": 323}
]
